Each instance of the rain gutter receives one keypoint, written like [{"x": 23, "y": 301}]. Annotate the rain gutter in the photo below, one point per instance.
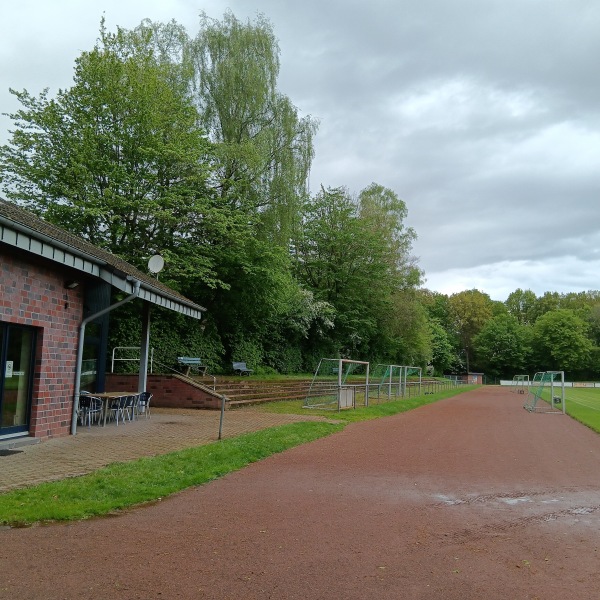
[{"x": 132, "y": 296}]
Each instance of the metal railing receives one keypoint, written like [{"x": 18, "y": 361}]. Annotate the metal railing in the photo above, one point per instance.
[{"x": 138, "y": 348}]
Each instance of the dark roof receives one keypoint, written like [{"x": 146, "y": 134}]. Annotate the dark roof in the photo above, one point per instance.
[{"x": 23, "y": 229}]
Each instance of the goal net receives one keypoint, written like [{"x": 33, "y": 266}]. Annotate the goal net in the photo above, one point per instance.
[
  {"x": 338, "y": 384},
  {"x": 546, "y": 393},
  {"x": 413, "y": 379},
  {"x": 520, "y": 384},
  {"x": 386, "y": 382},
  {"x": 390, "y": 382}
]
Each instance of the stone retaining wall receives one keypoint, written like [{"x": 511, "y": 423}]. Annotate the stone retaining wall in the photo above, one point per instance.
[{"x": 169, "y": 391}]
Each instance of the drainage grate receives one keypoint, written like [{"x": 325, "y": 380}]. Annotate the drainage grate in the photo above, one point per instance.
[{"x": 4, "y": 452}]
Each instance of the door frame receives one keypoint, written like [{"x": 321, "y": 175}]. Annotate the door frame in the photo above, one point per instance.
[{"x": 6, "y": 327}]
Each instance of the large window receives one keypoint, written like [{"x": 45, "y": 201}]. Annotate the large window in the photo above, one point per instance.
[{"x": 17, "y": 350}]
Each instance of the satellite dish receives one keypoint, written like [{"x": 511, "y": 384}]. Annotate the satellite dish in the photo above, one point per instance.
[{"x": 156, "y": 264}]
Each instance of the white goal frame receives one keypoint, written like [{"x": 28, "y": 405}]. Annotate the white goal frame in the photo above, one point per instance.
[
  {"x": 547, "y": 393},
  {"x": 333, "y": 388}
]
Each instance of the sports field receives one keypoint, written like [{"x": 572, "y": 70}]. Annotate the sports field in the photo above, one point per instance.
[
  {"x": 582, "y": 403},
  {"x": 581, "y": 396}
]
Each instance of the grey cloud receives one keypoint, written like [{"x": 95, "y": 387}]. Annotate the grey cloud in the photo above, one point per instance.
[{"x": 482, "y": 116}]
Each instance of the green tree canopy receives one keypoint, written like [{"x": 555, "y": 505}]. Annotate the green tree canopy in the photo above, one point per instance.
[
  {"x": 354, "y": 255},
  {"x": 469, "y": 312},
  {"x": 502, "y": 347},
  {"x": 443, "y": 356},
  {"x": 521, "y": 304},
  {"x": 119, "y": 158},
  {"x": 560, "y": 342},
  {"x": 264, "y": 148}
]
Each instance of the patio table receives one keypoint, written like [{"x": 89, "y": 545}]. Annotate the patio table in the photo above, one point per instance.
[{"x": 106, "y": 397}]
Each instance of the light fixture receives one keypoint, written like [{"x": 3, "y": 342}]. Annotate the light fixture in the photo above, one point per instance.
[{"x": 71, "y": 284}]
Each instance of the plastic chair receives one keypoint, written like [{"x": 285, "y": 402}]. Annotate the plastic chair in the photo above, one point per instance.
[
  {"x": 90, "y": 408},
  {"x": 117, "y": 408},
  {"x": 130, "y": 406},
  {"x": 95, "y": 409},
  {"x": 143, "y": 404},
  {"x": 84, "y": 407}
]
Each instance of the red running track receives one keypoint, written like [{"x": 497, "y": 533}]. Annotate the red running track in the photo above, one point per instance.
[{"x": 468, "y": 498}]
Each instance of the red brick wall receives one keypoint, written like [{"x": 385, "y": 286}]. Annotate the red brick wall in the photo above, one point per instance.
[
  {"x": 169, "y": 391},
  {"x": 34, "y": 295}
]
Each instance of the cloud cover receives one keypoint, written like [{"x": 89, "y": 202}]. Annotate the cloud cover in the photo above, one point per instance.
[{"x": 483, "y": 116}]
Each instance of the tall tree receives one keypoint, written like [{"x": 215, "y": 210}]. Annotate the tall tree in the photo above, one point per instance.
[
  {"x": 502, "y": 347},
  {"x": 119, "y": 158},
  {"x": 443, "y": 355},
  {"x": 521, "y": 304},
  {"x": 355, "y": 257},
  {"x": 265, "y": 149},
  {"x": 438, "y": 308},
  {"x": 408, "y": 332},
  {"x": 469, "y": 311},
  {"x": 384, "y": 215},
  {"x": 549, "y": 301}
]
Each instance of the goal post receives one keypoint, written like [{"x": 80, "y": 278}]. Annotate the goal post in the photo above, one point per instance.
[
  {"x": 547, "y": 393},
  {"x": 339, "y": 383},
  {"x": 519, "y": 384},
  {"x": 416, "y": 372},
  {"x": 386, "y": 381}
]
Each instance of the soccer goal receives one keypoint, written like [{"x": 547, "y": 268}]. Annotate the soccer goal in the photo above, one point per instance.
[
  {"x": 413, "y": 386},
  {"x": 389, "y": 382},
  {"x": 386, "y": 382},
  {"x": 520, "y": 383},
  {"x": 338, "y": 384},
  {"x": 546, "y": 393}
]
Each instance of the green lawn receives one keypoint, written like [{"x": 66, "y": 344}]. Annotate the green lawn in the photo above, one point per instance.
[
  {"x": 374, "y": 411},
  {"x": 123, "y": 485},
  {"x": 583, "y": 404}
]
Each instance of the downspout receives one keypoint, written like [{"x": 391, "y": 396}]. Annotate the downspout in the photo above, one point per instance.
[{"x": 136, "y": 291}]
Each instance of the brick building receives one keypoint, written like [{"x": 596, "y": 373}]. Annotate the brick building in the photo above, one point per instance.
[{"x": 55, "y": 297}]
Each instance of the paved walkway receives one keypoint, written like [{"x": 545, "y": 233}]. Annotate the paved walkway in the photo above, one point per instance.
[{"x": 166, "y": 431}]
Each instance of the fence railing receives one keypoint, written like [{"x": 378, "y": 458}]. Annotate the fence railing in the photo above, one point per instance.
[{"x": 128, "y": 359}]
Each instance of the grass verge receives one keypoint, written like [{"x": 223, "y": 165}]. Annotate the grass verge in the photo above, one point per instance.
[
  {"x": 123, "y": 485},
  {"x": 374, "y": 411}
]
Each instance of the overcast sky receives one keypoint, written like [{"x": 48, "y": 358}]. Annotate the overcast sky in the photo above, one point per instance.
[{"x": 482, "y": 115}]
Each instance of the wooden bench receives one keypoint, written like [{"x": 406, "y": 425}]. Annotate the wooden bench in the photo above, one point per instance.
[
  {"x": 240, "y": 368},
  {"x": 191, "y": 363}
]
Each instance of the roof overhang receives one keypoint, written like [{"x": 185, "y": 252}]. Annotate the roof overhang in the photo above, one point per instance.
[
  {"x": 151, "y": 294},
  {"x": 88, "y": 260}
]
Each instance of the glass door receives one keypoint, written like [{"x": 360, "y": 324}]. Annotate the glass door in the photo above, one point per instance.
[{"x": 17, "y": 346}]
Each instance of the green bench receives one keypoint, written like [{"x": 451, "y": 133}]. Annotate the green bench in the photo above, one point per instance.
[
  {"x": 240, "y": 368},
  {"x": 191, "y": 363}
]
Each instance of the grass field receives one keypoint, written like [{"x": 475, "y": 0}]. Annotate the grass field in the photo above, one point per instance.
[{"x": 582, "y": 404}]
